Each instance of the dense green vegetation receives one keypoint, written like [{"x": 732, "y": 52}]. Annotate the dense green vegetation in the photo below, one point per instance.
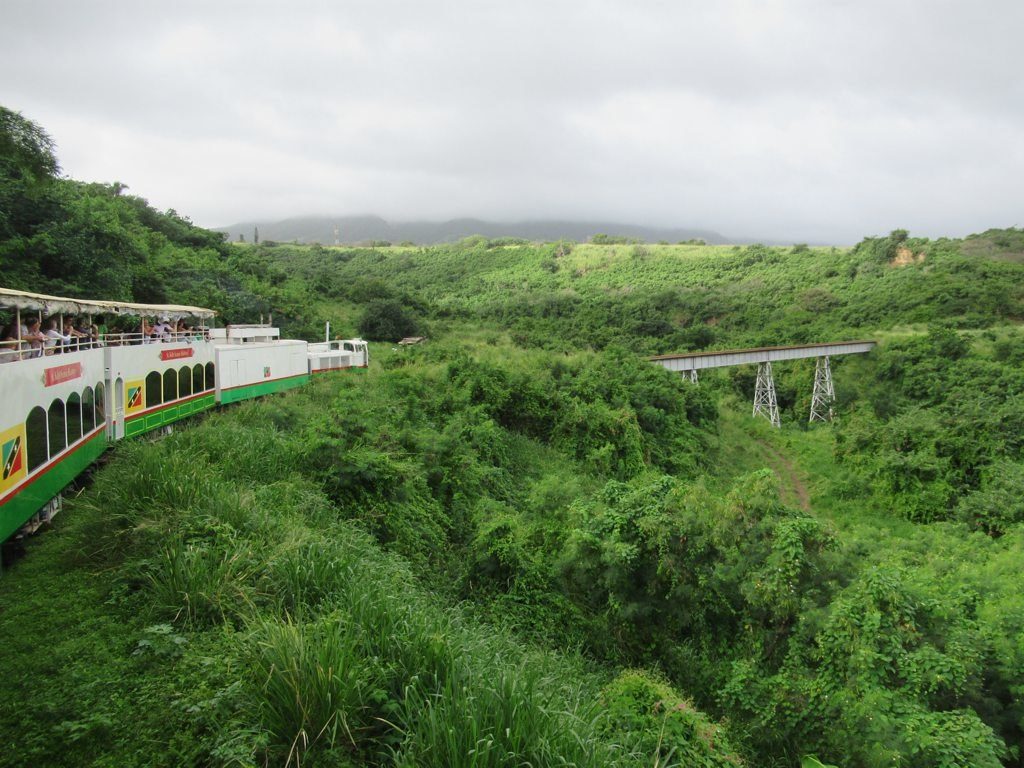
[
  {"x": 521, "y": 543},
  {"x": 228, "y": 612},
  {"x": 670, "y": 298}
]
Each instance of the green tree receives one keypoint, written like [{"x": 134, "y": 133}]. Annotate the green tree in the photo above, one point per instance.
[
  {"x": 26, "y": 150},
  {"x": 28, "y": 169},
  {"x": 387, "y": 320}
]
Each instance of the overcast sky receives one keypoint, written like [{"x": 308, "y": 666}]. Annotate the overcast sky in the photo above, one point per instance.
[{"x": 802, "y": 121}]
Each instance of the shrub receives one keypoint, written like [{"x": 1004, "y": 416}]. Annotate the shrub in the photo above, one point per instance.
[
  {"x": 998, "y": 504},
  {"x": 387, "y": 320},
  {"x": 671, "y": 729}
]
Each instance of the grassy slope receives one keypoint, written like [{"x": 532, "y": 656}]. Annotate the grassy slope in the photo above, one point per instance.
[
  {"x": 188, "y": 609},
  {"x": 74, "y": 693}
]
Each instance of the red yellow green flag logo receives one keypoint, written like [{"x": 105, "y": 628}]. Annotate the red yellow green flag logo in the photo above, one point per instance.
[
  {"x": 12, "y": 457},
  {"x": 135, "y": 392},
  {"x": 13, "y": 466}
]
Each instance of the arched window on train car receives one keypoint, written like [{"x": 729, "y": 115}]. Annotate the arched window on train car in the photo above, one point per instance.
[
  {"x": 153, "y": 389},
  {"x": 185, "y": 382},
  {"x": 211, "y": 382},
  {"x": 35, "y": 438},
  {"x": 55, "y": 426},
  {"x": 101, "y": 405},
  {"x": 74, "y": 408},
  {"x": 198, "y": 382},
  {"x": 88, "y": 411},
  {"x": 170, "y": 385}
]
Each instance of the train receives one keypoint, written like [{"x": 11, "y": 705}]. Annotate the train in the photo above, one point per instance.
[{"x": 70, "y": 395}]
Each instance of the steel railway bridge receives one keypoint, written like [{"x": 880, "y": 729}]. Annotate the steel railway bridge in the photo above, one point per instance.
[{"x": 764, "y": 391}]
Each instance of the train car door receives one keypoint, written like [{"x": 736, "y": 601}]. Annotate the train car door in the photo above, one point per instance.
[{"x": 119, "y": 409}]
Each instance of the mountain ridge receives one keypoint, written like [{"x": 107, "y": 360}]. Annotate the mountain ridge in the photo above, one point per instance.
[{"x": 357, "y": 229}]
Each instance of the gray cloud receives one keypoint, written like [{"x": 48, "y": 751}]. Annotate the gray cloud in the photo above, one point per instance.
[{"x": 796, "y": 120}]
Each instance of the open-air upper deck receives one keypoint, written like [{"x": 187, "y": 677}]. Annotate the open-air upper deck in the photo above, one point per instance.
[{"x": 22, "y": 307}]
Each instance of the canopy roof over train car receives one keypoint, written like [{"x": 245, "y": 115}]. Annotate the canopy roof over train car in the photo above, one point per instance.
[{"x": 59, "y": 304}]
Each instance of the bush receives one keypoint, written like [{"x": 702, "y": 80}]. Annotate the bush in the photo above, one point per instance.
[
  {"x": 387, "y": 321},
  {"x": 998, "y": 504},
  {"x": 672, "y": 729}
]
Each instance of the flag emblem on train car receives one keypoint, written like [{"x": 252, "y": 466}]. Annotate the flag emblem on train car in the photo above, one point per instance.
[
  {"x": 135, "y": 395},
  {"x": 13, "y": 465},
  {"x": 12, "y": 457}
]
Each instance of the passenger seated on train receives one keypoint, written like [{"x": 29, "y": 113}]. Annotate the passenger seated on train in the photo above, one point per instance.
[
  {"x": 78, "y": 339},
  {"x": 55, "y": 340},
  {"x": 85, "y": 333},
  {"x": 185, "y": 332},
  {"x": 31, "y": 334},
  {"x": 9, "y": 344},
  {"x": 163, "y": 330},
  {"x": 116, "y": 334}
]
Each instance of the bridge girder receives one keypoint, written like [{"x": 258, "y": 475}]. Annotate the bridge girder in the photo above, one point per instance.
[{"x": 765, "y": 401}]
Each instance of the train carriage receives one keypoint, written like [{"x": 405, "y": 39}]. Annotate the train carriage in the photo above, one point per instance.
[
  {"x": 253, "y": 361},
  {"x": 66, "y": 400},
  {"x": 338, "y": 354},
  {"x": 155, "y": 385},
  {"x": 53, "y": 426}
]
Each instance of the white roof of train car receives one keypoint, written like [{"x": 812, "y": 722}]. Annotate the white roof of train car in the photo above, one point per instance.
[{"x": 52, "y": 304}]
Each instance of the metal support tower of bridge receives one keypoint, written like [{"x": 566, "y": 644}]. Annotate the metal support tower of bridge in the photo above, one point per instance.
[
  {"x": 824, "y": 393},
  {"x": 765, "y": 401},
  {"x": 764, "y": 395}
]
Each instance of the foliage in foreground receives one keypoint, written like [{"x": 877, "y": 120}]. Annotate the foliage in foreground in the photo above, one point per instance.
[
  {"x": 758, "y": 611},
  {"x": 239, "y": 536},
  {"x": 283, "y": 634}
]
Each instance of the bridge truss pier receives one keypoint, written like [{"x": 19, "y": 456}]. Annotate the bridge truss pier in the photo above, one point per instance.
[
  {"x": 765, "y": 402},
  {"x": 764, "y": 395},
  {"x": 824, "y": 393}
]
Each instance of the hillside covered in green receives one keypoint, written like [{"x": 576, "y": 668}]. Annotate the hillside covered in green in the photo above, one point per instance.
[
  {"x": 64, "y": 237},
  {"x": 520, "y": 543}
]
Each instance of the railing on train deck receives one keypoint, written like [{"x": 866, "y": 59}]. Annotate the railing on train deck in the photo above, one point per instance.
[{"x": 13, "y": 350}]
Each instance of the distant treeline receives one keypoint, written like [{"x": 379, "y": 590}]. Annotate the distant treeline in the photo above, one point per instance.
[{"x": 367, "y": 230}]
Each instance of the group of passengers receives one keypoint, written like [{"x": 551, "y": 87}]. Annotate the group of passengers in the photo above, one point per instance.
[
  {"x": 34, "y": 338},
  {"x": 164, "y": 330},
  {"x": 40, "y": 337}
]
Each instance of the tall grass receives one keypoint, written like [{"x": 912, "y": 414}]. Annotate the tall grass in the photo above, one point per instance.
[
  {"x": 316, "y": 688},
  {"x": 393, "y": 678},
  {"x": 203, "y": 584},
  {"x": 344, "y": 658}
]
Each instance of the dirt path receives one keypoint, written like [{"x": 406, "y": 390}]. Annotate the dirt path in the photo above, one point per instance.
[{"x": 793, "y": 488}]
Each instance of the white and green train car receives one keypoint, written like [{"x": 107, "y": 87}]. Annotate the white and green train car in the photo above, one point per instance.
[
  {"x": 67, "y": 397},
  {"x": 254, "y": 361},
  {"x": 335, "y": 355}
]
